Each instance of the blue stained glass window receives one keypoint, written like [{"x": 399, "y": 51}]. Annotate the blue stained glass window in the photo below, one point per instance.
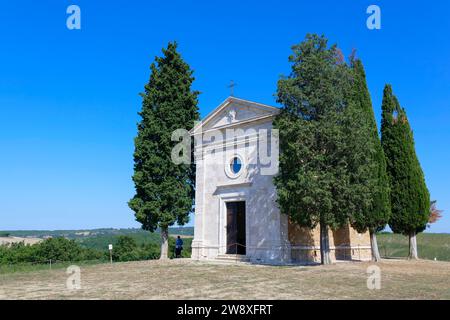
[{"x": 236, "y": 165}]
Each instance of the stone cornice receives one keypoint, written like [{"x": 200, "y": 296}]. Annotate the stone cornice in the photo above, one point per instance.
[
  {"x": 234, "y": 185},
  {"x": 235, "y": 124}
]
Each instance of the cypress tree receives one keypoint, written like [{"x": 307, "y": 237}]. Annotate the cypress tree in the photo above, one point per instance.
[
  {"x": 375, "y": 215},
  {"x": 410, "y": 198},
  {"x": 314, "y": 184},
  {"x": 164, "y": 190}
]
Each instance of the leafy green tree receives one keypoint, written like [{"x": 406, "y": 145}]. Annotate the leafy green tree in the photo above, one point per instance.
[
  {"x": 375, "y": 216},
  {"x": 319, "y": 182},
  {"x": 58, "y": 249},
  {"x": 55, "y": 249},
  {"x": 164, "y": 190},
  {"x": 410, "y": 197},
  {"x": 149, "y": 251},
  {"x": 125, "y": 249},
  {"x": 17, "y": 253}
]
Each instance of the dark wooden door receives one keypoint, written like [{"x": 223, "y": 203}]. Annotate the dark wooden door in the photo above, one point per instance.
[{"x": 236, "y": 227}]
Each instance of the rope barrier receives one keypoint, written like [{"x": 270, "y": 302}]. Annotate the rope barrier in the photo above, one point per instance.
[{"x": 348, "y": 250}]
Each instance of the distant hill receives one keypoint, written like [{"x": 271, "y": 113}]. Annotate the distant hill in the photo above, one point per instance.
[
  {"x": 430, "y": 245},
  {"x": 83, "y": 233},
  {"x": 7, "y": 240},
  {"x": 100, "y": 238}
]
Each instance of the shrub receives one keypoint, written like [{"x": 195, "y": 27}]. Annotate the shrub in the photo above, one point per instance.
[{"x": 55, "y": 249}]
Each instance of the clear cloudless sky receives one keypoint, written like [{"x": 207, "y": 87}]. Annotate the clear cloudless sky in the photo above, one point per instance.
[{"x": 69, "y": 98}]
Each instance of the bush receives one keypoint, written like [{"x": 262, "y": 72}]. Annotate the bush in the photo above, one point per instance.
[
  {"x": 126, "y": 249},
  {"x": 16, "y": 253},
  {"x": 55, "y": 249}
]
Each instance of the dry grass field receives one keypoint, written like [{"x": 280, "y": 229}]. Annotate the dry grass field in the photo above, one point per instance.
[
  {"x": 9, "y": 240},
  {"x": 185, "y": 279}
]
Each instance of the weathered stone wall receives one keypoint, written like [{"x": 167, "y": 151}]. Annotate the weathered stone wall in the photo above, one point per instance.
[
  {"x": 345, "y": 244},
  {"x": 266, "y": 229}
]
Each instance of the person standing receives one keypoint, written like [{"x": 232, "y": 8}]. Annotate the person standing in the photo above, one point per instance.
[{"x": 178, "y": 247}]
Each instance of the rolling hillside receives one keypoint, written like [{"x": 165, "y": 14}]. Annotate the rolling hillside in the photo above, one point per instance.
[
  {"x": 100, "y": 238},
  {"x": 430, "y": 246}
]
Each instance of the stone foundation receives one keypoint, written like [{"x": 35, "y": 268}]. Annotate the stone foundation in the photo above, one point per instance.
[{"x": 346, "y": 244}]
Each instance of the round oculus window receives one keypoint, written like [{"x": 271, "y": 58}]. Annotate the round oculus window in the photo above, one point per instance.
[{"x": 235, "y": 165}]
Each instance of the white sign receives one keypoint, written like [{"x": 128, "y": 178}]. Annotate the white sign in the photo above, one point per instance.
[{"x": 110, "y": 247}]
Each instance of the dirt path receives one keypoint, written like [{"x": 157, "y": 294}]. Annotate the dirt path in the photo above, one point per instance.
[{"x": 185, "y": 279}]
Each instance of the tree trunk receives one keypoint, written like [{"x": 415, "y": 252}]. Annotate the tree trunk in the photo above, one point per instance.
[
  {"x": 413, "y": 246},
  {"x": 164, "y": 243},
  {"x": 324, "y": 245},
  {"x": 374, "y": 245}
]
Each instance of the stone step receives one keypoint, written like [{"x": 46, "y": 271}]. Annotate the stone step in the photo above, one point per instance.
[{"x": 232, "y": 257}]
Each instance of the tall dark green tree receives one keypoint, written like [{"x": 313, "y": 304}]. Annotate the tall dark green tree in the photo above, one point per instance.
[
  {"x": 316, "y": 184},
  {"x": 410, "y": 198},
  {"x": 375, "y": 216},
  {"x": 164, "y": 190}
]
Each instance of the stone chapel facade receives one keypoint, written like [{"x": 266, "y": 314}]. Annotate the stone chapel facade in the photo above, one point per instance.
[{"x": 236, "y": 213}]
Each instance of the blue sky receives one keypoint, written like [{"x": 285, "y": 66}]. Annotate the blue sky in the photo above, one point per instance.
[{"x": 69, "y": 98}]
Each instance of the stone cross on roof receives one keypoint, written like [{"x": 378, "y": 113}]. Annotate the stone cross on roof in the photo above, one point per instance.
[{"x": 231, "y": 86}]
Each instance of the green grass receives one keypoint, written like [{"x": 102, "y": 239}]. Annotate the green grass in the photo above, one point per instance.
[
  {"x": 429, "y": 245},
  {"x": 101, "y": 241},
  {"x": 29, "y": 267}
]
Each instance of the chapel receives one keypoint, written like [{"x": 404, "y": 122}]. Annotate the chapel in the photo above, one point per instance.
[{"x": 236, "y": 214}]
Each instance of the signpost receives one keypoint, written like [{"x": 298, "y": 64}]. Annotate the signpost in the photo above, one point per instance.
[{"x": 110, "y": 247}]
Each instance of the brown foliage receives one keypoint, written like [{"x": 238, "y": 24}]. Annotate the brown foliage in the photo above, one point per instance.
[{"x": 435, "y": 213}]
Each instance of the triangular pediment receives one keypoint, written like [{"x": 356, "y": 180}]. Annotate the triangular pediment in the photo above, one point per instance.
[{"x": 233, "y": 111}]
